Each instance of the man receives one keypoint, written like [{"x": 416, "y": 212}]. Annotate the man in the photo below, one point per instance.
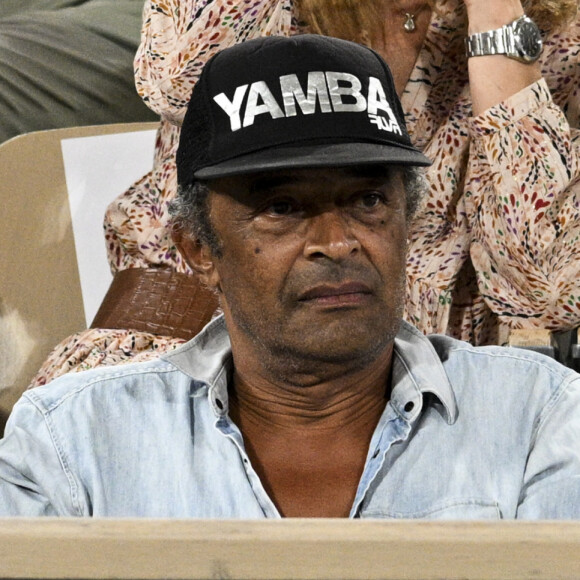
[{"x": 309, "y": 396}]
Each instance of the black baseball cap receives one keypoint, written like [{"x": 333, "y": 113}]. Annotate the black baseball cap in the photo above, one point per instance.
[{"x": 304, "y": 101}]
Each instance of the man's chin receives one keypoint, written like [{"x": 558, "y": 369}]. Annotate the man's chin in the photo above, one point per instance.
[{"x": 349, "y": 345}]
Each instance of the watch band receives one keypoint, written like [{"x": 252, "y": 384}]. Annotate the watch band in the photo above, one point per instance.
[
  {"x": 520, "y": 40},
  {"x": 489, "y": 42}
]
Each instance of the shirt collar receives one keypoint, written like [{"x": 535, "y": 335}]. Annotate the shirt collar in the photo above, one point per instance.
[
  {"x": 207, "y": 359},
  {"x": 203, "y": 357},
  {"x": 417, "y": 366}
]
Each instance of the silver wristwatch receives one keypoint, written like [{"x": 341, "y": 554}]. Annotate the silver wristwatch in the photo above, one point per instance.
[{"x": 521, "y": 40}]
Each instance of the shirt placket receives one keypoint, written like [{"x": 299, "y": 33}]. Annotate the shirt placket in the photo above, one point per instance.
[
  {"x": 229, "y": 430},
  {"x": 394, "y": 428},
  {"x": 218, "y": 401}
]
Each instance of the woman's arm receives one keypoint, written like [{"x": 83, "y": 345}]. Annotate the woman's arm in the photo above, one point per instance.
[
  {"x": 495, "y": 78},
  {"x": 525, "y": 176}
]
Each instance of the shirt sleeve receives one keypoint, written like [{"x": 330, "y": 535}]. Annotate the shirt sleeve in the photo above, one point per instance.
[
  {"x": 179, "y": 36},
  {"x": 551, "y": 486},
  {"x": 524, "y": 179},
  {"x": 33, "y": 477}
]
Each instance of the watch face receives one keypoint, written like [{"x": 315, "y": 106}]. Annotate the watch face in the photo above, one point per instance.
[{"x": 528, "y": 39}]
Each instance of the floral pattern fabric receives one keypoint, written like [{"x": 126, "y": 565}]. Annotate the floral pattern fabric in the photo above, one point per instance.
[{"x": 495, "y": 245}]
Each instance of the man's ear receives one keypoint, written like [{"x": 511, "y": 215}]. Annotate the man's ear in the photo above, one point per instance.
[{"x": 198, "y": 257}]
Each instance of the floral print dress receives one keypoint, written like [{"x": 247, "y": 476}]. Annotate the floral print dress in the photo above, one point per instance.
[{"x": 494, "y": 246}]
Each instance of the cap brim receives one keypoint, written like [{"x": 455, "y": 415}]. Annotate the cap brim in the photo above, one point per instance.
[{"x": 305, "y": 156}]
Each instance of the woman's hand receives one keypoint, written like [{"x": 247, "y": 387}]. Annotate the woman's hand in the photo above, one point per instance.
[{"x": 491, "y": 14}]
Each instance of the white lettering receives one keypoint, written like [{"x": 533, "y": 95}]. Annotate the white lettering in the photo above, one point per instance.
[
  {"x": 384, "y": 124},
  {"x": 232, "y": 108},
  {"x": 292, "y": 93},
  {"x": 260, "y": 91},
  {"x": 337, "y": 92},
  {"x": 333, "y": 91},
  {"x": 377, "y": 99}
]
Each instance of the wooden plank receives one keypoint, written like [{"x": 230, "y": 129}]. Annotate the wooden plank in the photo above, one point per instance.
[
  {"x": 529, "y": 337},
  {"x": 288, "y": 549}
]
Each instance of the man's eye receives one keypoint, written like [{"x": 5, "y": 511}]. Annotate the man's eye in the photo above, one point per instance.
[
  {"x": 370, "y": 200},
  {"x": 280, "y": 207}
]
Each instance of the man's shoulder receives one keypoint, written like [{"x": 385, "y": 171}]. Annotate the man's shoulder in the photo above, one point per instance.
[
  {"x": 110, "y": 380},
  {"x": 467, "y": 366},
  {"x": 173, "y": 375},
  {"x": 448, "y": 347},
  {"x": 483, "y": 378},
  {"x": 503, "y": 368}
]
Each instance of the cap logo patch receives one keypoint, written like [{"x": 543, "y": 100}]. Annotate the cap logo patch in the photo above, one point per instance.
[{"x": 335, "y": 92}]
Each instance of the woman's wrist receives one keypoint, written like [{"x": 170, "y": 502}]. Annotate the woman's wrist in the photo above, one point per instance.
[{"x": 495, "y": 77}]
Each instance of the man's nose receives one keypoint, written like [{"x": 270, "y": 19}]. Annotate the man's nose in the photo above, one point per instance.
[{"x": 330, "y": 236}]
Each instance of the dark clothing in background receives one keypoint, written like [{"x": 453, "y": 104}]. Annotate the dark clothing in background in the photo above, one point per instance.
[{"x": 66, "y": 63}]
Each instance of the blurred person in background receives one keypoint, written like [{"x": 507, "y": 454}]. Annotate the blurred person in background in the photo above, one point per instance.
[{"x": 66, "y": 63}]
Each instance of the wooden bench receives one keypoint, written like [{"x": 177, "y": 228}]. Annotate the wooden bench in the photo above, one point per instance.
[{"x": 288, "y": 549}]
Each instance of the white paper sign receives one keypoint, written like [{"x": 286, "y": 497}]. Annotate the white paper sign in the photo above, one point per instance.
[{"x": 97, "y": 170}]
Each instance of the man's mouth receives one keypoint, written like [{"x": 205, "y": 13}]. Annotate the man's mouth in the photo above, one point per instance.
[{"x": 346, "y": 294}]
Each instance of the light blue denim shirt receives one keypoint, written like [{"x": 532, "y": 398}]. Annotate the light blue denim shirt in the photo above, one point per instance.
[{"x": 468, "y": 433}]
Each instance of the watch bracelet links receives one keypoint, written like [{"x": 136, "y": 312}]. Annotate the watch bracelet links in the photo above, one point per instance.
[{"x": 488, "y": 43}]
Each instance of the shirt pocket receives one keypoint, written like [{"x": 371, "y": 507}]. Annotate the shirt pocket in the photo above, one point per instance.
[{"x": 468, "y": 509}]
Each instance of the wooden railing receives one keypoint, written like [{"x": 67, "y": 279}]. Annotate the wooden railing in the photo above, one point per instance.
[{"x": 288, "y": 549}]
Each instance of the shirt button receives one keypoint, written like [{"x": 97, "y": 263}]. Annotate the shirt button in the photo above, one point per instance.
[{"x": 409, "y": 406}]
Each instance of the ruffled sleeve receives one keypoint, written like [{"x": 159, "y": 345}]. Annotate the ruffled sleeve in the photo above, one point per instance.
[
  {"x": 179, "y": 36},
  {"x": 524, "y": 180}
]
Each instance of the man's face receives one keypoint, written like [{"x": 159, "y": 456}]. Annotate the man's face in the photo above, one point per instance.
[{"x": 313, "y": 261}]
